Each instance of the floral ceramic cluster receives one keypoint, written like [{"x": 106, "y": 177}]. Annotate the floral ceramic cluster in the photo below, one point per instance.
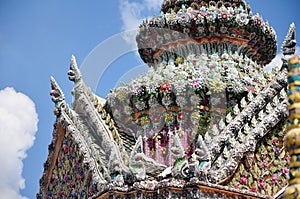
[
  {"x": 213, "y": 74},
  {"x": 187, "y": 23},
  {"x": 172, "y": 4},
  {"x": 269, "y": 172},
  {"x": 175, "y": 98},
  {"x": 69, "y": 178}
]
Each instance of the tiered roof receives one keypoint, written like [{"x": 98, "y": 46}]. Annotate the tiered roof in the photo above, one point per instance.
[{"x": 203, "y": 26}]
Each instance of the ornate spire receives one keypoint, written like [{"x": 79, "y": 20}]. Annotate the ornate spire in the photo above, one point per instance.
[{"x": 292, "y": 141}]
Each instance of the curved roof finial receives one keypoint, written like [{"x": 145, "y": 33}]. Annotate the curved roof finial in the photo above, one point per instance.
[
  {"x": 58, "y": 96},
  {"x": 56, "y": 92},
  {"x": 289, "y": 44},
  {"x": 74, "y": 73}
]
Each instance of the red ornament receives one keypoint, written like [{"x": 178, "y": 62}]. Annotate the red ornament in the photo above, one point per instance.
[
  {"x": 253, "y": 189},
  {"x": 243, "y": 180},
  {"x": 165, "y": 87},
  {"x": 261, "y": 185},
  {"x": 274, "y": 142},
  {"x": 265, "y": 164},
  {"x": 285, "y": 170},
  {"x": 224, "y": 16},
  {"x": 258, "y": 22},
  {"x": 274, "y": 179},
  {"x": 181, "y": 116}
]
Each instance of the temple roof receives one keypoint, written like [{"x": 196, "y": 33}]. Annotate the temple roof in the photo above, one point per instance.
[
  {"x": 89, "y": 133},
  {"x": 205, "y": 121}
]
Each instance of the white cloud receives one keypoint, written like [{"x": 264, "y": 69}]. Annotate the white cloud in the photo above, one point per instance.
[
  {"x": 133, "y": 13},
  {"x": 18, "y": 119},
  {"x": 277, "y": 60}
]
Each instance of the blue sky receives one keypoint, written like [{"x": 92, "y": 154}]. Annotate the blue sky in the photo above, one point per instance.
[{"x": 37, "y": 39}]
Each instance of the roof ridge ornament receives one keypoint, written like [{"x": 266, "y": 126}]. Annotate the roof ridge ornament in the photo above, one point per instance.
[
  {"x": 56, "y": 92},
  {"x": 74, "y": 73},
  {"x": 288, "y": 47},
  {"x": 58, "y": 96}
]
